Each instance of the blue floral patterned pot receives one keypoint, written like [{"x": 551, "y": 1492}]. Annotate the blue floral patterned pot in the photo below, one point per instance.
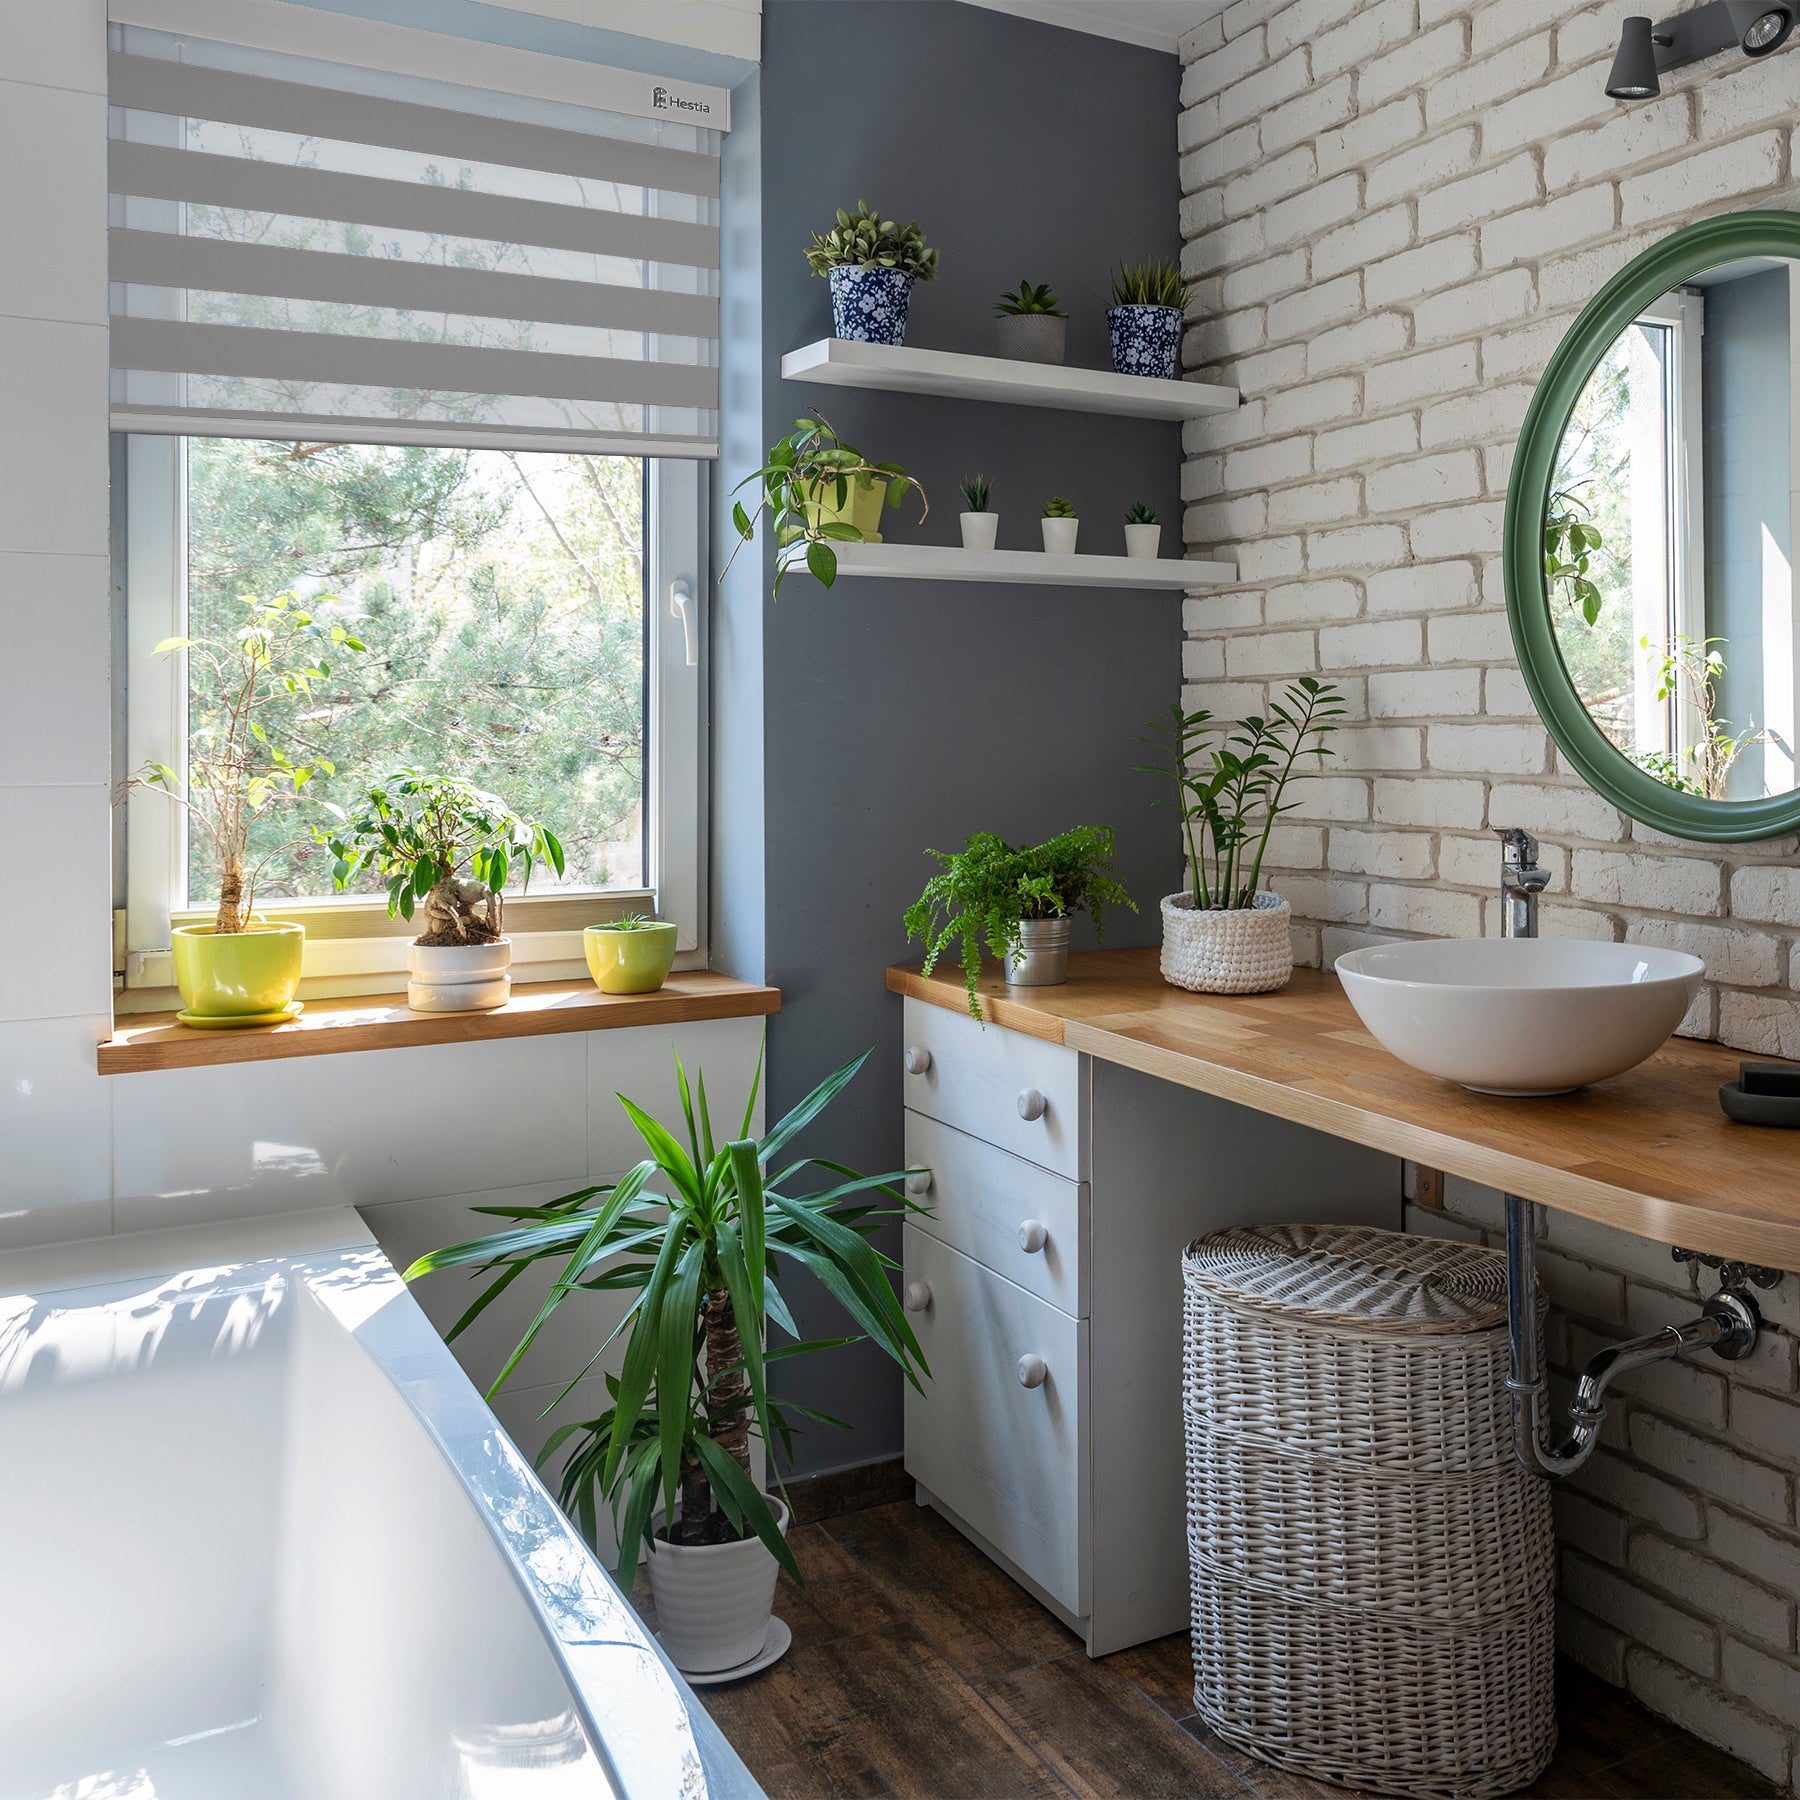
[
  {"x": 870, "y": 304},
  {"x": 1145, "y": 339}
]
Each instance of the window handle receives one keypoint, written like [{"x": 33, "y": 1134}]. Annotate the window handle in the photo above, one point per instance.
[{"x": 681, "y": 604}]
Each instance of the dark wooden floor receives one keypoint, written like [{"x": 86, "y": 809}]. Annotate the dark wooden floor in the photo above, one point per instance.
[{"x": 920, "y": 1672}]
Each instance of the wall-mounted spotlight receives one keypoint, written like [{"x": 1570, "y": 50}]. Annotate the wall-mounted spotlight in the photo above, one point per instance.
[{"x": 1647, "y": 51}]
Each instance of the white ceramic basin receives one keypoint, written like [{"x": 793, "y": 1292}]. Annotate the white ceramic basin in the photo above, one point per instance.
[{"x": 1520, "y": 1015}]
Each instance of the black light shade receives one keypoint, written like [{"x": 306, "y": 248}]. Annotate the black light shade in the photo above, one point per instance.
[
  {"x": 1760, "y": 25},
  {"x": 1633, "y": 74}
]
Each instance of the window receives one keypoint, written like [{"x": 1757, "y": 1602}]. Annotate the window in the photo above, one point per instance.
[{"x": 502, "y": 599}]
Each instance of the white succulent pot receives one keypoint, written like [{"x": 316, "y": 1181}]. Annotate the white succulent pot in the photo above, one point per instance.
[
  {"x": 1238, "y": 950},
  {"x": 1059, "y": 535},
  {"x": 458, "y": 977},
  {"x": 979, "y": 529},
  {"x": 713, "y": 1601},
  {"x": 1142, "y": 540},
  {"x": 1031, "y": 337}
]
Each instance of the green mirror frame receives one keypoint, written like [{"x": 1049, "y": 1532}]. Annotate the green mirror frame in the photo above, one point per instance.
[{"x": 1600, "y": 764}]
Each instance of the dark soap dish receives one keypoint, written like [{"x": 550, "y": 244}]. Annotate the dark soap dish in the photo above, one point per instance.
[{"x": 1764, "y": 1094}]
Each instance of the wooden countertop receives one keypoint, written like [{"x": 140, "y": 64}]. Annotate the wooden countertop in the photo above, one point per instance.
[
  {"x": 1648, "y": 1151},
  {"x": 385, "y": 1022}
]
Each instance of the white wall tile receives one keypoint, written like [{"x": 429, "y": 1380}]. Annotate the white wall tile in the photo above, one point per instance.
[
  {"x": 53, "y": 437},
  {"x": 55, "y": 1133},
  {"x": 640, "y": 1064},
  {"x": 53, "y": 221},
  {"x": 66, "y": 968},
  {"x": 374, "y": 1126},
  {"x": 54, "y": 676}
]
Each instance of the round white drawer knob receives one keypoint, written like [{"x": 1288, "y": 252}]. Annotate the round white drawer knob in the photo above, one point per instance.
[
  {"x": 1032, "y": 1237},
  {"x": 918, "y": 1059},
  {"x": 1032, "y": 1104},
  {"x": 1033, "y": 1371},
  {"x": 918, "y": 1182},
  {"x": 918, "y": 1296}
]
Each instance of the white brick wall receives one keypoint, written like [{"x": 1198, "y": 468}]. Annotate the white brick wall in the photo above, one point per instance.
[{"x": 1396, "y": 208}]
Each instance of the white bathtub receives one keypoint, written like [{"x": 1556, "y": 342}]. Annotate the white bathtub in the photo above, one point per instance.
[{"x": 259, "y": 1537}]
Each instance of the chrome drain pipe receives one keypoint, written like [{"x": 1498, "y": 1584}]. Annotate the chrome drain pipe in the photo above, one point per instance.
[{"x": 1727, "y": 1325}]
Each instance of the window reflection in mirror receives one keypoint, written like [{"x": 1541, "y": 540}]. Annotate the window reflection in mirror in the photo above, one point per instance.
[{"x": 1670, "y": 532}]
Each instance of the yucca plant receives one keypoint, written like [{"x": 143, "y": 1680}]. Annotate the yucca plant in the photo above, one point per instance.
[
  {"x": 1056, "y": 507},
  {"x": 700, "y": 1233},
  {"x": 1152, "y": 283},
  {"x": 977, "y": 493},
  {"x": 1142, "y": 513},
  {"x": 1030, "y": 299},
  {"x": 865, "y": 240}
]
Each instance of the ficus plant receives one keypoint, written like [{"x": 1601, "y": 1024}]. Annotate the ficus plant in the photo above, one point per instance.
[
  {"x": 234, "y": 773},
  {"x": 865, "y": 240},
  {"x": 420, "y": 833},
  {"x": 984, "y": 891},
  {"x": 700, "y": 1234},
  {"x": 808, "y": 471},
  {"x": 1230, "y": 783}
]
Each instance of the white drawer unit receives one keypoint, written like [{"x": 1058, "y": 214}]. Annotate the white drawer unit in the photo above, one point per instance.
[
  {"x": 1016, "y": 1218},
  {"x": 1009, "y": 1089},
  {"x": 1075, "y": 1486},
  {"x": 1001, "y": 1424}
]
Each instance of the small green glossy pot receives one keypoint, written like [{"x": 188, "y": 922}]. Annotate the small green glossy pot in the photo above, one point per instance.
[
  {"x": 243, "y": 974},
  {"x": 629, "y": 962}
]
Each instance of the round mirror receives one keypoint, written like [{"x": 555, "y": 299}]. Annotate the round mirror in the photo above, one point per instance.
[{"x": 1653, "y": 534}]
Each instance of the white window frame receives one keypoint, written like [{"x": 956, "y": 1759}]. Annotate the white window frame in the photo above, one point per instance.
[{"x": 352, "y": 946}]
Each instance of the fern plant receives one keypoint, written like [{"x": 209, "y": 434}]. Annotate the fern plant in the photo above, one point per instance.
[
  {"x": 865, "y": 240},
  {"x": 1056, "y": 507},
  {"x": 985, "y": 890},
  {"x": 1030, "y": 299}
]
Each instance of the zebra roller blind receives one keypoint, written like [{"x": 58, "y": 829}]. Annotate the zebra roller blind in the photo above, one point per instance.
[{"x": 341, "y": 230}]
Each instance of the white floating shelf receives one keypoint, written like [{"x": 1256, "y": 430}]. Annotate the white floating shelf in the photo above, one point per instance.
[
  {"x": 1037, "y": 568},
  {"x": 842, "y": 362}
]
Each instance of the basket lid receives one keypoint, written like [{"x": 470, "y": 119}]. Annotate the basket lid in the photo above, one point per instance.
[{"x": 1354, "y": 1275}]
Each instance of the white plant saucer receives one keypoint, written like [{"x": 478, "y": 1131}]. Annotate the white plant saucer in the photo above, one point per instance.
[{"x": 775, "y": 1646}]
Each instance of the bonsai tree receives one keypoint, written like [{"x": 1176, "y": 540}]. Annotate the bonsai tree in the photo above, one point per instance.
[
  {"x": 807, "y": 470},
  {"x": 420, "y": 832},
  {"x": 700, "y": 1234},
  {"x": 234, "y": 773},
  {"x": 985, "y": 890},
  {"x": 865, "y": 240},
  {"x": 1229, "y": 789},
  {"x": 1030, "y": 299}
]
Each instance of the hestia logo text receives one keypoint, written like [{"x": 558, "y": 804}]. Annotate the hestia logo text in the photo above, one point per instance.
[{"x": 664, "y": 101}]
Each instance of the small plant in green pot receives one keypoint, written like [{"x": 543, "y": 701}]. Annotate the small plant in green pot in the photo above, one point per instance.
[
  {"x": 1031, "y": 324},
  {"x": 1149, "y": 302},
  {"x": 1143, "y": 531},
  {"x": 818, "y": 491},
  {"x": 440, "y": 843},
  {"x": 980, "y": 523},
  {"x": 871, "y": 263},
  {"x": 1227, "y": 934},
  {"x": 240, "y": 969},
  {"x": 700, "y": 1235},
  {"x": 1018, "y": 901},
  {"x": 632, "y": 955},
  {"x": 1060, "y": 525}
]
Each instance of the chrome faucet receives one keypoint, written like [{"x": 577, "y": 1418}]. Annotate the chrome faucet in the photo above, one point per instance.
[{"x": 1521, "y": 881}]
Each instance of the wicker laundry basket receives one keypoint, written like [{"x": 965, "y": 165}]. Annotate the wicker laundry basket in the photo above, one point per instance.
[{"x": 1373, "y": 1573}]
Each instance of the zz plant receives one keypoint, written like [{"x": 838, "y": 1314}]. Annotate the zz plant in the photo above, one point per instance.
[
  {"x": 700, "y": 1235},
  {"x": 1230, "y": 782},
  {"x": 865, "y": 240},
  {"x": 420, "y": 832},
  {"x": 807, "y": 470},
  {"x": 985, "y": 890}
]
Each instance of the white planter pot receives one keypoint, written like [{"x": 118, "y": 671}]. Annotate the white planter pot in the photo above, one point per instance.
[
  {"x": 713, "y": 1601},
  {"x": 1142, "y": 540},
  {"x": 458, "y": 977},
  {"x": 979, "y": 530},
  {"x": 1248, "y": 950},
  {"x": 1059, "y": 535}
]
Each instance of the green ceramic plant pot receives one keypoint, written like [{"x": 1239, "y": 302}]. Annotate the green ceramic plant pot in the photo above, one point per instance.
[
  {"x": 243, "y": 976},
  {"x": 861, "y": 508},
  {"x": 629, "y": 962}
]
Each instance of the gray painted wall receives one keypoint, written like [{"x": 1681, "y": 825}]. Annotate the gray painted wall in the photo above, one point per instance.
[{"x": 898, "y": 715}]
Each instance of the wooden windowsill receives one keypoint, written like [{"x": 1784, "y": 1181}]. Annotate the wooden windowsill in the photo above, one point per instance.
[{"x": 384, "y": 1022}]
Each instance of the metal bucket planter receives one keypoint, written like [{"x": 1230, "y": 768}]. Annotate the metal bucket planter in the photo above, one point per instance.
[
  {"x": 1031, "y": 337},
  {"x": 869, "y": 305},
  {"x": 1146, "y": 340},
  {"x": 1042, "y": 959}
]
